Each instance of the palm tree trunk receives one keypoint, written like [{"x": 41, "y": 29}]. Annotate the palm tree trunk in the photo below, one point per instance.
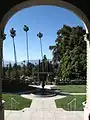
[
  {"x": 42, "y": 55},
  {"x": 43, "y": 81},
  {"x": 15, "y": 58},
  {"x": 41, "y": 49},
  {"x": 27, "y": 47},
  {"x": 14, "y": 52}
]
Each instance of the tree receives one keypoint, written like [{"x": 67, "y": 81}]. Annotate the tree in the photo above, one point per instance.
[
  {"x": 30, "y": 68},
  {"x": 9, "y": 71},
  {"x": 23, "y": 63},
  {"x": 40, "y": 35},
  {"x": 69, "y": 53},
  {"x": 43, "y": 76},
  {"x": 26, "y": 28},
  {"x": 13, "y": 34}
]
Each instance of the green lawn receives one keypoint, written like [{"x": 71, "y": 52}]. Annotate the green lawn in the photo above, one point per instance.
[
  {"x": 22, "y": 102},
  {"x": 63, "y": 103},
  {"x": 71, "y": 88}
]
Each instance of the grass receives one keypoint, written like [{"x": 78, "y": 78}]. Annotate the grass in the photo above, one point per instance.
[
  {"x": 63, "y": 103},
  {"x": 23, "y": 102},
  {"x": 71, "y": 88}
]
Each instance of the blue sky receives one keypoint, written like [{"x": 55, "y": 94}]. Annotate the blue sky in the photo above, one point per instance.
[{"x": 45, "y": 19}]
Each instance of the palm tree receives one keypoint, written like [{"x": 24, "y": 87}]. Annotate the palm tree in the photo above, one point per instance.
[
  {"x": 40, "y": 35},
  {"x": 13, "y": 34},
  {"x": 26, "y": 28}
]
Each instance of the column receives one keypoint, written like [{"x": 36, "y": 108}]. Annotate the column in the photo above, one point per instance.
[
  {"x": 2, "y": 37},
  {"x": 87, "y": 106}
]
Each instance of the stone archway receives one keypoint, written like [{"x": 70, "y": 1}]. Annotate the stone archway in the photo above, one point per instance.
[{"x": 58, "y": 3}]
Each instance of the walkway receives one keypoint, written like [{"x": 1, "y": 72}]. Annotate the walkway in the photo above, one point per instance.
[{"x": 43, "y": 109}]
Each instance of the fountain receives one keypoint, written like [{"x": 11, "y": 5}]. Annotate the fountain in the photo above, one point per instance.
[{"x": 42, "y": 91}]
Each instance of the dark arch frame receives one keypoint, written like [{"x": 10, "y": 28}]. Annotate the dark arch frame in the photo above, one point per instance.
[
  {"x": 58, "y": 3},
  {"x": 15, "y": 7}
]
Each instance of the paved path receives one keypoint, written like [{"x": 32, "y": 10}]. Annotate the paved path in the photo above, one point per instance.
[{"x": 43, "y": 109}]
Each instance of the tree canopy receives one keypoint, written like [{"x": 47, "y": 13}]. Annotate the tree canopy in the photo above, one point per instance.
[{"x": 69, "y": 53}]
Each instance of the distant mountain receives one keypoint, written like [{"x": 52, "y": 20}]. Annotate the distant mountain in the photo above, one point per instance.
[
  {"x": 19, "y": 63},
  {"x": 31, "y": 61}
]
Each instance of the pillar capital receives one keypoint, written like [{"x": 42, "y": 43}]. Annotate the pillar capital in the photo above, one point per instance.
[{"x": 87, "y": 37}]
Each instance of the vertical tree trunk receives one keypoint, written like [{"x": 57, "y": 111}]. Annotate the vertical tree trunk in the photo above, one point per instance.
[
  {"x": 27, "y": 47},
  {"x": 41, "y": 49},
  {"x": 15, "y": 58},
  {"x": 14, "y": 51}
]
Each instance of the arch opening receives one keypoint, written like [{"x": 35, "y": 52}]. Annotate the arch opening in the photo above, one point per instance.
[{"x": 58, "y": 3}]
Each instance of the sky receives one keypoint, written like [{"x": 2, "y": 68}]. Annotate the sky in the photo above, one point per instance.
[{"x": 44, "y": 19}]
